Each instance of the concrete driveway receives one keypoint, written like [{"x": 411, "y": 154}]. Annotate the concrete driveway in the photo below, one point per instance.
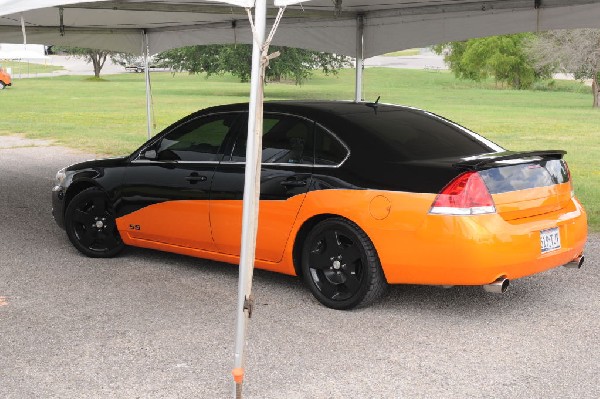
[{"x": 156, "y": 325}]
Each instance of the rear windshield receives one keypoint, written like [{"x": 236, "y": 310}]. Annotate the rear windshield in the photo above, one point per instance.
[
  {"x": 417, "y": 135},
  {"x": 521, "y": 177}
]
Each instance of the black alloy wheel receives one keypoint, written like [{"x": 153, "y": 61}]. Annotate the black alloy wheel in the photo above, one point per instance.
[
  {"x": 90, "y": 224},
  {"x": 340, "y": 265}
]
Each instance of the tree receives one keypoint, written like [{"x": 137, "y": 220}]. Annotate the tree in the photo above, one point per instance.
[
  {"x": 193, "y": 59},
  {"x": 293, "y": 63},
  {"x": 500, "y": 57},
  {"x": 94, "y": 56},
  {"x": 571, "y": 51}
]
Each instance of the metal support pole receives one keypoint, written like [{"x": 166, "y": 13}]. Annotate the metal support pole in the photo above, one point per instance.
[
  {"x": 24, "y": 33},
  {"x": 146, "y": 51},
  {"x": 359, "y": 58},
  {"x": 251, "y": 196}
]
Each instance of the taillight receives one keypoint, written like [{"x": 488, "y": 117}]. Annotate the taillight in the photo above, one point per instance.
[
  {"x": 570, "y": 179},
  {"x": 465, "y": 195}
]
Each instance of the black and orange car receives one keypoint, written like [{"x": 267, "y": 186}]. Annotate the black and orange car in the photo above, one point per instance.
[
  {"x": 354, "y": 196},
  {"x": 5, "y": 78}
]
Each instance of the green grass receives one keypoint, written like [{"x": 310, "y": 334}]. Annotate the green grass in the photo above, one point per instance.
[
  {"x": 404, "y": 53},
  {"x": 108, "y": 116},
  {"x": 28, "y": 68}
]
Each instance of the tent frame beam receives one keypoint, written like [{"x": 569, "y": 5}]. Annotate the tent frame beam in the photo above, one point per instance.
[
  {"x": 305, "y": 11},
  {"x": 205, "y": 9}
]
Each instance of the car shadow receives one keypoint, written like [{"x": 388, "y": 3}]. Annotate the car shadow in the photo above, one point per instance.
[{"x": 526, "y": 293}]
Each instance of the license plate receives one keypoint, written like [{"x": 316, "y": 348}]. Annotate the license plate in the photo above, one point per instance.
[{"x": 550, "y": 240}]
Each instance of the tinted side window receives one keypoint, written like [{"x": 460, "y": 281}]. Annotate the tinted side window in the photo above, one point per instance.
[
  {"x": 328, "y": 149},
  {"x": 197, "y": 140},
  {"x": 413, "y": 135},
  {"x": 286, "y": 139}
]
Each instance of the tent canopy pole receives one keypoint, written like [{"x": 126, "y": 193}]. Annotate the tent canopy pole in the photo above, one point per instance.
[
  {"x": 358, "y": 95},
  {"x": 251, "y": 194},
  {"x": 145, "y": 51}
]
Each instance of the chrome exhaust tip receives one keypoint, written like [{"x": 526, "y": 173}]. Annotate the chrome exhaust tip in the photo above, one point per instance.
[
  {"x": 575, "y": 263},
  {"x": 497, "y": 287}
]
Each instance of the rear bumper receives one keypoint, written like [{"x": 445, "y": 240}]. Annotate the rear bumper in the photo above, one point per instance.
[{"x": 476, "y": 250}]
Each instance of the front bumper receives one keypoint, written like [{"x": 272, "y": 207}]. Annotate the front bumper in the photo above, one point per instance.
[{"x": 58, "y": 205}]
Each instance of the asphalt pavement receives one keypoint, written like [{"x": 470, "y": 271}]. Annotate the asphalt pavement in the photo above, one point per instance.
[
  {"x": 155, "y": 325},
  {"x": 77, "y": 66}
]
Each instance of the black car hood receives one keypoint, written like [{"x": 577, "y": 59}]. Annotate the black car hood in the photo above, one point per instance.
[{"x": 98, "y": 163}]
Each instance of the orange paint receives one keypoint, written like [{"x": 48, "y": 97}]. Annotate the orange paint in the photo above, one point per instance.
[
  {"x": 179, "y": 223},
  {"x": 276, "y": 219},
  {"x": 414, "y": 247}
]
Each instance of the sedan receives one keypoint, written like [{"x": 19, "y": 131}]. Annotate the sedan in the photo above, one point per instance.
[{"x": 353, "y": 197}]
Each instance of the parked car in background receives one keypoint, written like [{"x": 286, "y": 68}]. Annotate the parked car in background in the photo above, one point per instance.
[
  {"x": 137, "y": 64},
  {"x": 354, "y": 196},
  {"x": 5, "y": 78},
  {"x": 138, "y": 68}
]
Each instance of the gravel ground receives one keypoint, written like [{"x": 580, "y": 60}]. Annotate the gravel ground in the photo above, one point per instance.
[{"x": 156, "y": 325}]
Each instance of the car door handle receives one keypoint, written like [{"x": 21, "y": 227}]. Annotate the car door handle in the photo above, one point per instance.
[
  {"x": 293, "y": 183},
  {"x": 195, "y": 178}
]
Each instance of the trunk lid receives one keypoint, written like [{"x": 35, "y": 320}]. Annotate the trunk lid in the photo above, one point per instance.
[{"x": 524, "y": 184}]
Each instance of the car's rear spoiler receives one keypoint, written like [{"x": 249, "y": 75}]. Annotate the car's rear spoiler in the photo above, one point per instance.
[{"x": 487, "y": 161}]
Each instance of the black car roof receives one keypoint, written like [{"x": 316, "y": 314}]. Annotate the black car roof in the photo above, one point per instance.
[
  {"x": 338, "y": 108},
  {"x": 335, "y": 115}
]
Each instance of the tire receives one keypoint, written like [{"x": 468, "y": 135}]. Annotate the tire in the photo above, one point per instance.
[
  {"x": 340, "y": 265},
  {"x": 2, "y": 85},
  {"x": 90, "y": 224}
]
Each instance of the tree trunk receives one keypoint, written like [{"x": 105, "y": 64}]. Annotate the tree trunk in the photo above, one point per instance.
[
  {"x": 102, "y": 56},
  {"x": 596, "y": 90},
  {"x": 98, "y": 59},
  {"x": 96, "y": 68},
  {"x": 95, "y": 64}
]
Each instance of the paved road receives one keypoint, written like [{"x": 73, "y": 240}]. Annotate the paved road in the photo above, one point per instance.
[
  {"x": 426, "y": 60},
  {"x": 155, "y": 325},
  {"x": 77, "y": 66},
  {"x": 71, "y": 66}
]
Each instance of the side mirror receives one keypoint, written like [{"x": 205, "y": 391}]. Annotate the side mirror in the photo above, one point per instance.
[{"x": 150, "y": 154}]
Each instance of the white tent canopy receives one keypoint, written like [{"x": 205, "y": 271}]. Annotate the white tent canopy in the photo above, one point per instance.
[{"x": 327, "y": 25}]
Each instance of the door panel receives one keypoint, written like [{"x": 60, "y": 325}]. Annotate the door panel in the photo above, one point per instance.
[
  {"x": 279, "y": 206},
  {"x": 168, "y": 203},
  {"x": 166, "y": 195}
]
